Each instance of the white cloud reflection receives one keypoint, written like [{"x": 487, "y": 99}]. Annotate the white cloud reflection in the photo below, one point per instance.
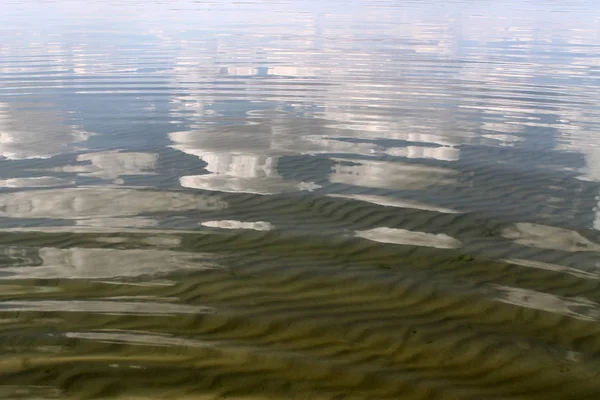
[
  {"x": 412, "y": 238},
  {"x": 89, "y": 263},
  {"x": 91, "y": 203},
  {"x": 548, "y": 237},
  {"x": 36, "y": 132}
]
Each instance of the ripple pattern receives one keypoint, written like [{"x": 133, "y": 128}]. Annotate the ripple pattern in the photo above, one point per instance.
[{"x": 351, "y": 199}]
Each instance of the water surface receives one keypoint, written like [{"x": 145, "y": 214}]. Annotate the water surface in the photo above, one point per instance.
[{"x": 300, "y": 200}]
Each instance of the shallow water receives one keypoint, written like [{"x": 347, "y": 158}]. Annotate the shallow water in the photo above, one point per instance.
[{"x": 300, "y": 200}]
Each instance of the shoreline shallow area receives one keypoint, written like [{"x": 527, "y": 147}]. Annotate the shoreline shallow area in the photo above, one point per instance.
[{"x": 334, "y": 200}]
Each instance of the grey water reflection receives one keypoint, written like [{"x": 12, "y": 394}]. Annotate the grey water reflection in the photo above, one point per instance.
[
  {"x": 86, "y": 263},
  {"x": 349, "y": 199},
  {"x": 113, "y": 164},
  {"x": 84, "y": 203},
  {"x": 36, "y": 131}
]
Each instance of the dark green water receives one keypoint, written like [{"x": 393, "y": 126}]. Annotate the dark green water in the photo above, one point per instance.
[{"x": 300, "y": 200}]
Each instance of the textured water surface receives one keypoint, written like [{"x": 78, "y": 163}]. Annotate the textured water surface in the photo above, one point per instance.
[{"x": 300, "y": 200}]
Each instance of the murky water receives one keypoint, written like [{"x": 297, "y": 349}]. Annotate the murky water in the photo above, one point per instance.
[{"x": 300, "y": 200}]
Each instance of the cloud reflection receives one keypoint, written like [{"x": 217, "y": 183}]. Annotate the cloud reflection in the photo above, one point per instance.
[
  {"x": 114, "y": 164},
  {"x": 115, "y": 307},
  {"x": 390, "y": 175},
  {"x": 90, "y": 203},
  {"x": 42, "y": 181},
  {"x": 36, "y": 132},
  {"x": 579, "y": 308},
  {"x": 548, "y": 237},
  {"x": 232, "y": 224},
  {"x": 240, "y": 165},
  {"x": 395, "y": 202},
  {"x": 89, "y": 263},
  {"x": 403, "y": 236}
]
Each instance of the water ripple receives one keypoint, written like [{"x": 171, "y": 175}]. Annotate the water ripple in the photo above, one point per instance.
[{"x": 365, "y": 199}]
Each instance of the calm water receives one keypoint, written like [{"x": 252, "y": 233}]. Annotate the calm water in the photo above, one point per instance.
[{"x": 373, "y": 199}]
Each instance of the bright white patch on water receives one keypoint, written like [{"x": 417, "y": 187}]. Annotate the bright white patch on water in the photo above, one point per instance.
[
  {"x": 89, "y": 263},
  {"x": 394, "y": 202},
  {"x": 137, "y": 338},
  {"x": 403, "y": 236},
  {"x": 232, "y": 224},
  {"x": 42, "y": 181},
  {"x": 105, "y": 307},
  {"x": 576, "y": 307},
  {"x": 548, "y": 237}
]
